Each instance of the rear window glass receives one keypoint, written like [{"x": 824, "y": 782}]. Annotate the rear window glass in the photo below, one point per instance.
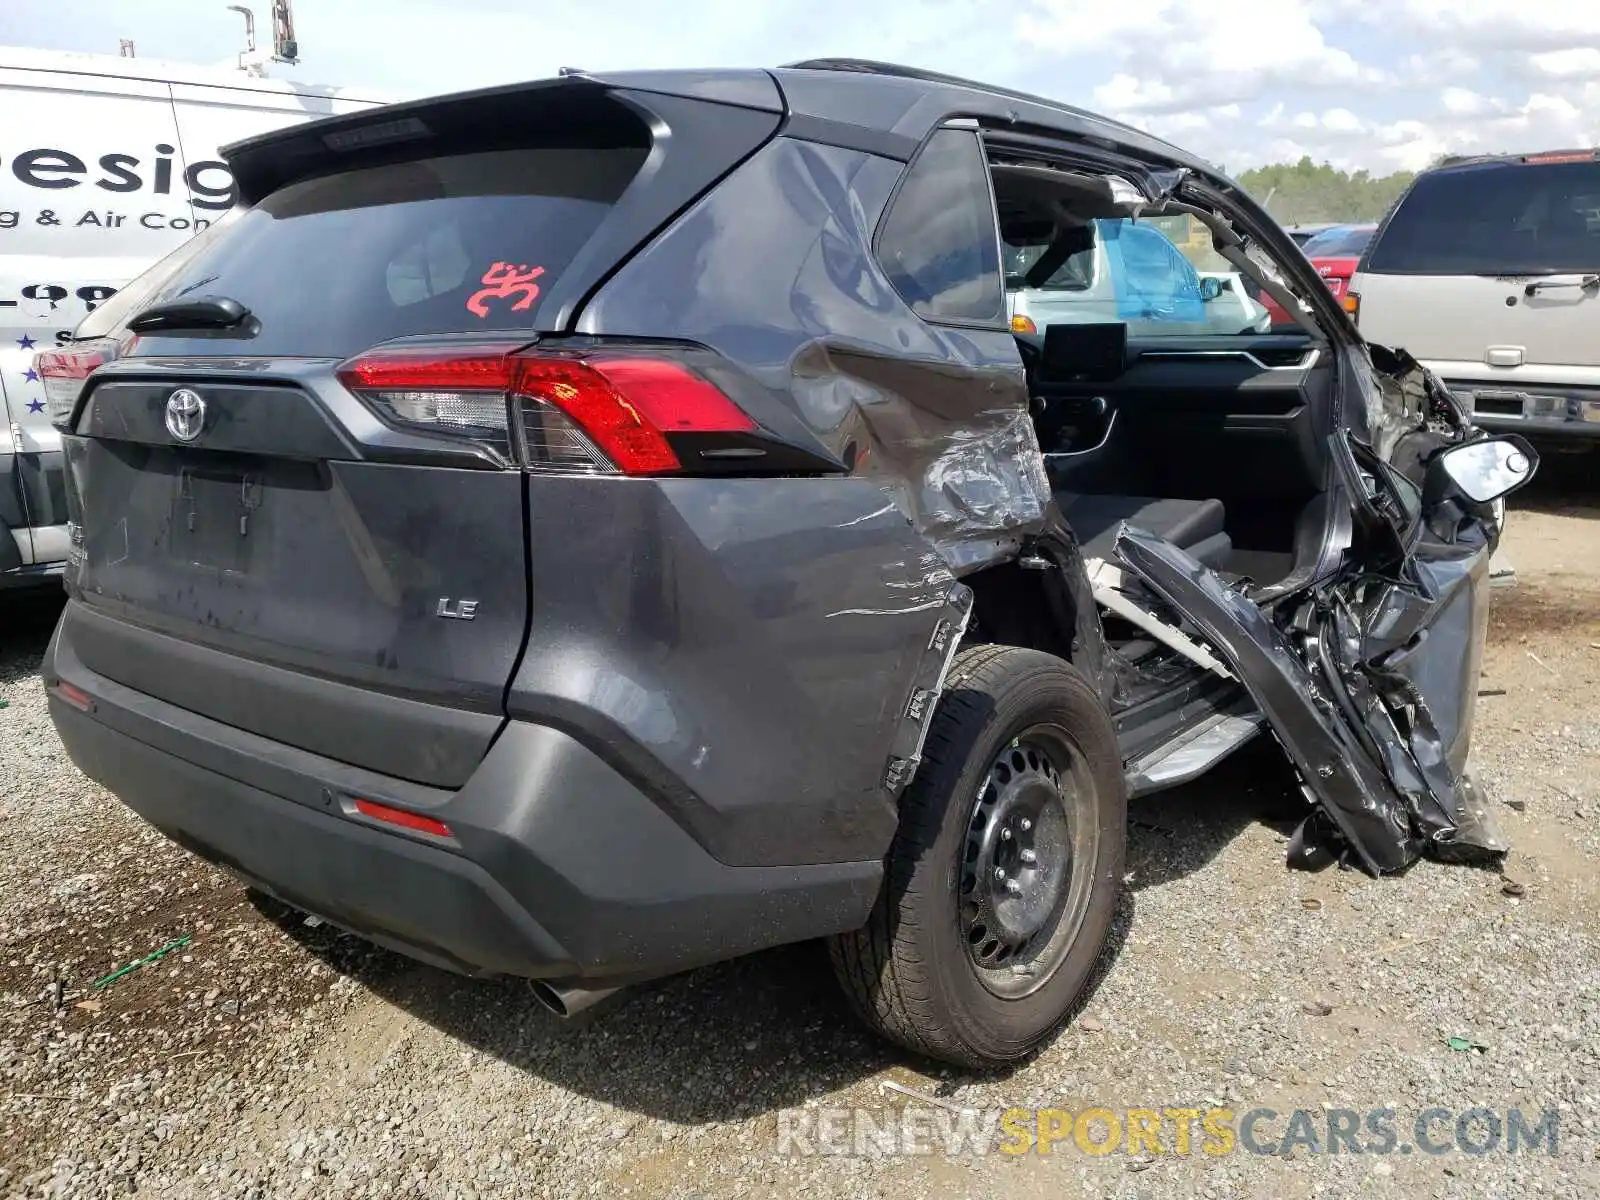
[
  {"x": 1338, "y": 243},
  {"x": 1505, "y": 219},
  {"x": 460, "y": 243}
]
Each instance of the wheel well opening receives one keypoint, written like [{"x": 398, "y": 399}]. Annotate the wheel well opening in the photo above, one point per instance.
[{"x": 1012, "y": 606}]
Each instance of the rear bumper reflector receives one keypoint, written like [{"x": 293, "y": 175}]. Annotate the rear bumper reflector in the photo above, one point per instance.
[
  {"x": 75, "y": 696},
  {"x": 415, "y": 822}
]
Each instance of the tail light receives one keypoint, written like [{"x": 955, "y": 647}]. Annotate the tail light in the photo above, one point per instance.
[
  {"x": 63, "y": 372},
  {"x": 598, "y": 412},
  {"x": 1352, "y": 305}
]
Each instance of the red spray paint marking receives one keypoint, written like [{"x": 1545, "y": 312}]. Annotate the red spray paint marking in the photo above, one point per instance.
[{"x": 501, "y": 282}]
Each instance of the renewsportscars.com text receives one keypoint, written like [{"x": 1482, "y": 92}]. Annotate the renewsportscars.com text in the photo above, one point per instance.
[{"x": 915, "y": 1130}]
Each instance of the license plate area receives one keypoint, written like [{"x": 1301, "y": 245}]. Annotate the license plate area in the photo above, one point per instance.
[
  {"x": 1498, "y": 404},
  {"x": 221, "y": 512}
]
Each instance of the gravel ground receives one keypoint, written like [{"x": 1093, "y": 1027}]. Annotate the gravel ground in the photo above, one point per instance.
[{"x": 265, "y": 1057}]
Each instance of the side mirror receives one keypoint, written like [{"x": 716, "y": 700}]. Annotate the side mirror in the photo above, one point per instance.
[
  {"x": 1210, "y": 288},
  {"x": 1484, "y": 470}
]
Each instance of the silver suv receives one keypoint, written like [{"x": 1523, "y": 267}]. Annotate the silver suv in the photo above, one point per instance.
[{"x": 1488, "y": 271}]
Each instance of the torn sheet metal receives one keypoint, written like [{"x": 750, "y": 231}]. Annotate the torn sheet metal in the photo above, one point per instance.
[
  {"x": 972, "y": 481},
  {"x": 1369, "y": 683},
  {"x": 933, "y": 668},
  {"x": 1339, "y": 773},
  {"x": 1109, "y": 592},
  {"x": 1368, "y": 674},
  {"x": 775, "y": 270},
  {"x": 1400, "y": 397},
  {"x": 1397, "y": 650},
  {"x": 1070, "y": 598}
]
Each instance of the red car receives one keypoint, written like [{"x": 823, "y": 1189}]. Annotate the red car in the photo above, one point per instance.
[{"x": 1335, "y": 253}]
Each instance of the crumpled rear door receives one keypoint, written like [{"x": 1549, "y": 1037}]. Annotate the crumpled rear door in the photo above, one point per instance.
[{"x": 1367, "y": 674}]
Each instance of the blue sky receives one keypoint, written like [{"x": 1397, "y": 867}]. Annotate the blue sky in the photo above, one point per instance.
[{"x": 1380, "y": 84}]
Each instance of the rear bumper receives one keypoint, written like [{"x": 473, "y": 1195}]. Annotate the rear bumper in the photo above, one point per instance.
[
  {"x": 557, "y": 868},
  {"x": 1544, "y": 413},
  {"x": 1586, "y": 432}
]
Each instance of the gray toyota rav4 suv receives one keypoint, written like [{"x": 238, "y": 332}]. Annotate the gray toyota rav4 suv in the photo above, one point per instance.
[{"x": 590, "y": 528}]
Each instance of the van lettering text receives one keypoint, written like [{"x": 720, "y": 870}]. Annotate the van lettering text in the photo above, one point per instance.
[
  {"x": 209, "y": 182},
  {"x": 156, "y": 220},
  {"x": 44, "y": 168}
]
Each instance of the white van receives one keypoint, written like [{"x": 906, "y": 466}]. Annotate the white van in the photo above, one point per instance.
[{"x": 108, "y": 164}]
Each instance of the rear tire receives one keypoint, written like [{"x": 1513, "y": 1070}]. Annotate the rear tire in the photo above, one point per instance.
[{"x": 973, "y": 955}]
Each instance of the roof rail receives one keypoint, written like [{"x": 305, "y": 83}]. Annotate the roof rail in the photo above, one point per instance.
[{"x": 867, "y": 66}]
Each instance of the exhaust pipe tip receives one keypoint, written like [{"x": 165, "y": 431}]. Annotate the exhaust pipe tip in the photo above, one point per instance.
[{"x": 568, "y": 1002}]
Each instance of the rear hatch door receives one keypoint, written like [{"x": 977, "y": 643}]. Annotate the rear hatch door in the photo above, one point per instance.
[
  {"x": 259, "y": 544},
  {"x": 1491, "y": 265}
]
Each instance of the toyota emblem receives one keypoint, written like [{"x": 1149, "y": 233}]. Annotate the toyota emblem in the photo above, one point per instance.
[{"x": 186, "y": 414}]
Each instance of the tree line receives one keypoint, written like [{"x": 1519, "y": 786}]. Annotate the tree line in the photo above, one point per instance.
[{"x": 1308, "y": 193}]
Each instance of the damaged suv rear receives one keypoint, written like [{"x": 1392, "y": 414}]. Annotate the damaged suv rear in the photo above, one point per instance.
[{"x": 591, "y": 528}]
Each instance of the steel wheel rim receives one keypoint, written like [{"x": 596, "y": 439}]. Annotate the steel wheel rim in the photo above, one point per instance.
[{"x": 1025, "y": 870}]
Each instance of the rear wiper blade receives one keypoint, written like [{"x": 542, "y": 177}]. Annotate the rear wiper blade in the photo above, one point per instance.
[
  {"x": 196, "y": 285},
  {"x": 202, "y": 312}
]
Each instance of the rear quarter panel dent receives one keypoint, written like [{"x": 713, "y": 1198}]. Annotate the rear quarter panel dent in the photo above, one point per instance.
[{"x": 741, "y": 648}]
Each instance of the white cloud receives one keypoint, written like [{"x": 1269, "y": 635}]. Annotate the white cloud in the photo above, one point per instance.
[
  {"x": 1178, "y": 54},
  {"x": 1490, "y": 26},
  {"x": 1440, "y": 65},
  {"x": 1578, "y": 62},
  {"x": 1180, "y": 123},
  {"x": 1464, "y": 102},
  {"x": 1418, "y": 78},
  {"x": 1342, "y": 138},
  {"x": 1491, "y": 126},
  {"x": 1126, "y": 93},
  {"x": 1412, "y": 145}
]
